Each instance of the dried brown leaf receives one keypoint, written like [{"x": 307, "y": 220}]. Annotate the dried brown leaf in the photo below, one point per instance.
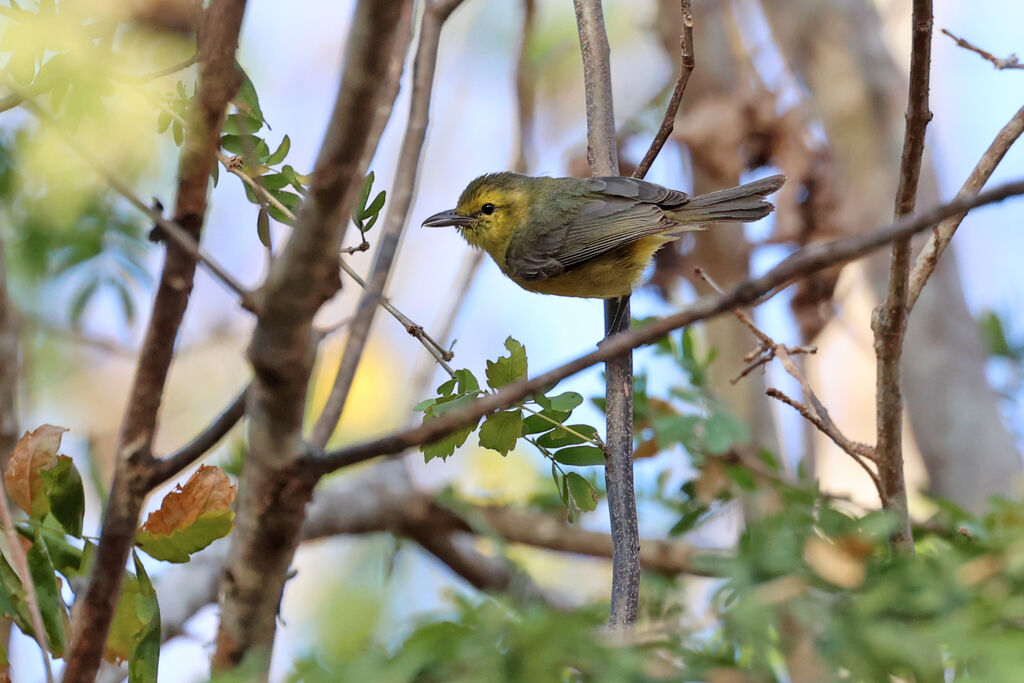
[
  {"x": 208, "y": 490},
  {"x": 24, "y": 480}
]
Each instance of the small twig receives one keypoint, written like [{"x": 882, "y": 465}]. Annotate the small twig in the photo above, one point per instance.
[
  {"x": 173, "y": 69},
  {"x": 21, "y": 563},
  {"x": 1011, "y": 62},
  {"x": 815, "y": 412},
  {"x": 860, "y": 452},
  {"x": 686, "y": 64},
  {"x": 940, "y": 238},
  {"x": 569, "y": 430},
  {"x": 362, "y": 246}
]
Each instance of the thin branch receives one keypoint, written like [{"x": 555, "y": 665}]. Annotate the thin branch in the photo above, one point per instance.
[
  {"x": 686, "y": 64},
  {"x": 182, "y": 238},
  {"x": 401, "y": 196},
  {"x": 439, "y": 353},
  {"x": 167, "y": 71},
  {"x": 889, "y": 320},
  {"x": 1011, "y": 62},
  {"x": 602, "y": 156},
  {"x": 21, "y": 564},
  {"x": 943, "y": 234},
  {"x": 218, "y": 81},
  {"x": 815, "y": 412},
  {"x": 274, "y": 491},
  {"x": 166, "y": 467},
  {"x": 810, "y": 259}
]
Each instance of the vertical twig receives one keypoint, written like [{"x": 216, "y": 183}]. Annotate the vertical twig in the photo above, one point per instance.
[
  {"x": 889, "y": 320},
  {"x": 603, "y": 158},
  {"x": 402, "y": 192},
  {"x": 940, "y": 238}
]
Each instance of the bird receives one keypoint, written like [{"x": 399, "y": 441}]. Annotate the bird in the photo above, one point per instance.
[{"x": 588, "y": 237}]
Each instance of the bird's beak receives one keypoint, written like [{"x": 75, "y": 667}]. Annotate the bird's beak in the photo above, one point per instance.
[{"x": 446, "y": 219}]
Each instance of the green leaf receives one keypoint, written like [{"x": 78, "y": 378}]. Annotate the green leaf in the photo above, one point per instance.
[
  {"x": 423, "y": 405},
  {"x": 500, "y": 431},
  {"x": 507, "y": 369},
  {"x": 535, "y": 424},
  {"x": 163, "y": 121},
  {"x": 246, "y": 98},
  {"x": 994, "y": 334},
  {"x": 375, "y": 206},
  {"x": 81, "y": 300},
  {"x": 687, "y": 521},
  {"x": 445, "y": 448},
  {"x": 249, "y": 147},
  {"x": 51, "y": 605},
  {"x": 566, "y": 402},
  {"x": 190, "y": 517},
  {"x": 145, "y": 657},
  {"x": 722, "y": 430},
  {"x": 263, "y": 227},
  {"x": 743, "y": 477},
  {"x": 178, "y": 132},
  {"x": 559, "y": 437},
  {"x": 580, "y": 456},
  {"x": 447, "y": 387},
  {"x": 467, "y": 381},
  {"x": 669, "y": 429},
  {"x": 63, "y": 486},
  {"x": 240, "y": 124},
  {"x": 581, "y": 491},
  {"x": 280, "y": 153}
]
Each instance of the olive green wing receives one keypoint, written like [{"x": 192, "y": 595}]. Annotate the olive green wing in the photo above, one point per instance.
[{"x": 614, "y": 212}]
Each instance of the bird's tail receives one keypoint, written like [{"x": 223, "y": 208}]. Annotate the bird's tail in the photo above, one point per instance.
[{"x": 737, "y": 204}]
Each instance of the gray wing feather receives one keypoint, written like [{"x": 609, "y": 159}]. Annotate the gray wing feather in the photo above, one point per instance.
[
  {"x": 601, "y": 225},
  {"x": 639, "y": 190}
]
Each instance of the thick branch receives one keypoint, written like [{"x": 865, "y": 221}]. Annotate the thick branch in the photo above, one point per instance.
[
  {"x": 218, "y": 80},
  {"x": 272, "y": 493},
  {"x": 926, "y": 261},
  {"x": 402, "y": 192},
  {"x": 889, "y": 321},
  {"x": 810, "y": 259}
]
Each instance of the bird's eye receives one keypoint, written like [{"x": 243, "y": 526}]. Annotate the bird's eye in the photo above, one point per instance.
[{"x": 487, "y": 209}]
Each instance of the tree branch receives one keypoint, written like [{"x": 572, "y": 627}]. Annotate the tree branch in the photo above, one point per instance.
[
  {"x": 602, "y": 156},
  {"x": 402, "y": 192},
  {"x": 686, "y": 64},
  {"x": 810, "y": 259},
  {"x": 165, "y": 468},
  {"x": 926, "y": 261},
  {"x": 273, "y": 491},
  {"x": 1000, "y": 63},
  {"x": 889, "y": 320},
  {"x": 218, "y": 81}
]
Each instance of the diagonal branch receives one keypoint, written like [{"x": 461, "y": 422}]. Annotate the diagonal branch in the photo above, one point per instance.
[
  {"x": 889, "y": 320},
  {"x": 218, "y": 81},
  {"x": 1011, "y": 62},
  {"x": 926, "y": 261},
  {"x": 810, "y": 259},
  {"x": 402, "y": 192},
  {"x": 686, "y": 64}
]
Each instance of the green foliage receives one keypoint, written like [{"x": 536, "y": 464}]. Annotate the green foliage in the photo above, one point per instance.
[
  {"x": 51, "y": 605},
  {"x": 365, "y": 215},
  {"x": 492, "y": 642},
  {"x": 63, "y": 486}
]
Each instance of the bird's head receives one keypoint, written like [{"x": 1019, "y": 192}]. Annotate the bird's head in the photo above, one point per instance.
[{"x": 488, "y": 210}]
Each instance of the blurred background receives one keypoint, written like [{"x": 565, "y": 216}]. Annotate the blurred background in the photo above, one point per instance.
[{"x": 814, "y": 88}]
